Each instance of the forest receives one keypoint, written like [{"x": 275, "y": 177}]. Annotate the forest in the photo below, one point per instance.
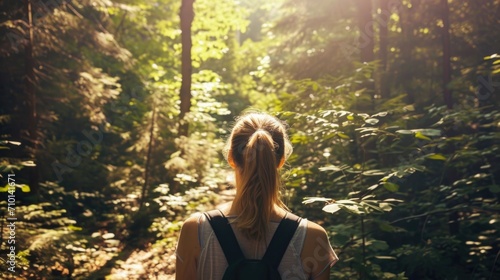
[{"x": 113, "y": 116}]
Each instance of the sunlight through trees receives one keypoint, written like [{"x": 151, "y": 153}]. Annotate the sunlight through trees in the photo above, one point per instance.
[{"x": 114, "y": 114}]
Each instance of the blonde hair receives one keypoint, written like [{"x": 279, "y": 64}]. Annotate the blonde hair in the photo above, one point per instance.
[{"x": 258, "y": 144}]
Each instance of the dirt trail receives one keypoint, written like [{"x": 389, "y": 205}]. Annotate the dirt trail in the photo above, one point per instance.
[{"x": 156, "y": 262}]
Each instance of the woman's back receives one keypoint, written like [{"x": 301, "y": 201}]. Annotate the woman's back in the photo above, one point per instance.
[
  {"x": 212, "y": 262},
  {"x": 309, "y": 255}
]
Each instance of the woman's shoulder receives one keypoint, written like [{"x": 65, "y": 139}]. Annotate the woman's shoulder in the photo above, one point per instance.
[
  {"x": 190, "y": 226},
  {"x": 317, "y": 254},
  {"x": 315, "y": 230},
  {"x": 188, "y": 248},
  {"x": 193, "y": 220},
  {"x": 315, "y": 236}
]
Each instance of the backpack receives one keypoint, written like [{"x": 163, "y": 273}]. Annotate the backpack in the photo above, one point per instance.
[{"x": 251, "y": 269}]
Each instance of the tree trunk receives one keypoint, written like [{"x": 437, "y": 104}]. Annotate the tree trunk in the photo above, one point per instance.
[
  {"x": 383, "y": 26},
  {"x": 406, "y": 72},
  {"x": 30, "y": 93},
  {"x": 186, "y": 17},
  {"x": 144, "y": 191},
  {"x": 365, "y": 25},
  {"x": 446, "y": 54},
  {"x": 366, "y": 40}
]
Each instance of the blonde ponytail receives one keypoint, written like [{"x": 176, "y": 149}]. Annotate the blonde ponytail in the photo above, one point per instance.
[{"x": 258, "y": 144}]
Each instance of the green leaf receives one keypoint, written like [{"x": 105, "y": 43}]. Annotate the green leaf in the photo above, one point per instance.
[
  {"x": 381, "y": 114},
  {"x": 428, "y": 131},
  {"x": 342, "y": 135},
  {"x": 410, "y": 108},
  {"x": 385, "y": 206},
  {"x": 419, "y": 135},
  {"x": 404, "y": 131},
  {"x": 372, "y": 121},
  {"x": 331, "y": 208},
  {"x": 353, "y": 209},
  {"x": 330, "y": 168},
  {"x": 385, "y": 226},
  {"x": 74, "y": 228},
  {"x": 308, "y": 200},
  {"x": 368, "y": 205},
  {"x": 494, "y": 188},
  {"x": 345, "y": 201},
  {"x": 488, "y": 57},
  {"x": 378, "y": 245},
  {"x": 25, "y": 188},
  {"x": 386, "y": 258},
  {"x": 16, "y": 143},
  {"x": 436, "y": 157},
  {"x": 391, "y": 186},
  {"x": 315, "y": 86},
  {"x": 393, "y": 200},
  {"x": 373, "y": 172}
]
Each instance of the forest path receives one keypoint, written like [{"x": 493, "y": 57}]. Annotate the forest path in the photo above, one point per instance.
[{"x": 157, "y": 261}]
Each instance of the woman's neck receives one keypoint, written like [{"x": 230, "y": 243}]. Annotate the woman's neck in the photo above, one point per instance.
[{"x": 277, "y": 212}]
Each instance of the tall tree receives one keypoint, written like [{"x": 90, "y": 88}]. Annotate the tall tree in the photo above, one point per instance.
[
  {"x": 30, "y": 81},
  {"x": 383, "y": 27},
  {"x": 445, "y": 17},
  {"x": 147, "y": 174},
  {"x": 365, "y": 23},
  {"x": 406, "y": 70},
  {"x": 186, "y": 16}
]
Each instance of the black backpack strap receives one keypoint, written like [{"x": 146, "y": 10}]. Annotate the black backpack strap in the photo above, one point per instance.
[
  {"x": 225, "y": 235},
  {"x": 281, "y": 238},
  {"x": 229, "y": 244}
]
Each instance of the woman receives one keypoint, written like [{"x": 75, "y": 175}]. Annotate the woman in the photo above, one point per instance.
[{"x": 256, "y": 150}]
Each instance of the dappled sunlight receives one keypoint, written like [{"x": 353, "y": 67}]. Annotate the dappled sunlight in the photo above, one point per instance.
[{"x": 114, "y": 117}]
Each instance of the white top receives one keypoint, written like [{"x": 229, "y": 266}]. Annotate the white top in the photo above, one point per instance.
[{"x": 212, "y": 263}]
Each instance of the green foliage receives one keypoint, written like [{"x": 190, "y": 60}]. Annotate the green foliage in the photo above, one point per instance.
[
  {"x": 407, "y": 189},
  {"x": 402, "y": 186}
]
